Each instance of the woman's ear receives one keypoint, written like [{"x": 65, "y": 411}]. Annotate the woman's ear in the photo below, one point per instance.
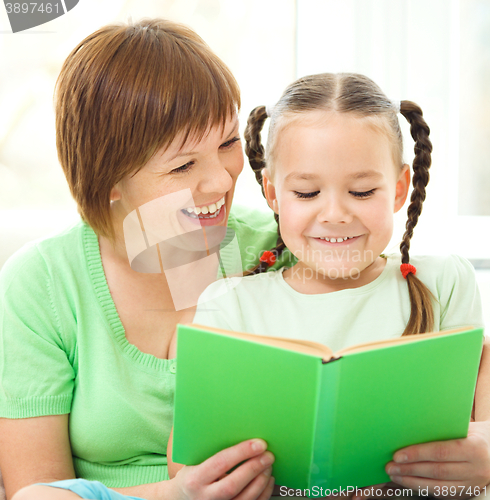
[
  {"x": 402, "y": 187},
  {"x": 269, "y": 191},
  {"x": 115, "y": 193}
]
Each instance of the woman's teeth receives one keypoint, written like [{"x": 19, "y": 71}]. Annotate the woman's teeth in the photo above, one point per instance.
[
  {"x": 210, "y": 210},
  {"x": 336, "y": 240}
]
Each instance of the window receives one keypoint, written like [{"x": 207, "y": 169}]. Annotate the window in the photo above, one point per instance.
[{"x": 437, "y": 54}]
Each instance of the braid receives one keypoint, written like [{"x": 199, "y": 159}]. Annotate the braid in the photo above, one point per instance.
[
  {"x": 256, "y": 157},
  {"x": 253, "y": 144},
  {"x": 421, "y": 315},
  {"x": 262, "y": 267}
]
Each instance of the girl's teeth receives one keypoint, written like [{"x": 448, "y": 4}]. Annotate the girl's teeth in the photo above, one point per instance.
[
  {"x": 337, "y": 240},
  {"x": 205, "y": 210},
  {"x": 212, "y": 208}
]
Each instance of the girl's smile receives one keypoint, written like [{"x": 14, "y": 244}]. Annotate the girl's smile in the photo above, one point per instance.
[
  {"x": 335, "y": 185},
  {"x": 335, "y": 239}
]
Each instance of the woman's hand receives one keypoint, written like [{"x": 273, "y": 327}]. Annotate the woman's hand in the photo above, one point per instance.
[
  {"x": 455, "y": 468},
  {"x": 252, "y": 480}
]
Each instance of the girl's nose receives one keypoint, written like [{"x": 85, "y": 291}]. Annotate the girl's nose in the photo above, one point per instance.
[{"x": 334, "y": 211}]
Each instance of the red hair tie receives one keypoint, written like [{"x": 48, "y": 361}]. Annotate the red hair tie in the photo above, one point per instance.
[
  {"x": 268, "y": 257},
  {"x": 407, "y": 269}
]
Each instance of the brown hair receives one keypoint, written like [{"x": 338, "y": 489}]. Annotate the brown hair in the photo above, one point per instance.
[
  {"x": 359, "y": 95},
  {"x": 125, "y": 92}
]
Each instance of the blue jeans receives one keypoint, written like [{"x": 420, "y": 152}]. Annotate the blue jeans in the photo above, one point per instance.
[{"x": 93, "y": 490}]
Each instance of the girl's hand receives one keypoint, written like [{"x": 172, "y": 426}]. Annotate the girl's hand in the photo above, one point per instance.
[
  {"x": 252, "y": 480},
  {"x": 456, "y": 468}
]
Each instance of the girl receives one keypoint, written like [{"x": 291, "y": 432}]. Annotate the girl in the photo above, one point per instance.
[{"x": 333, "y": 173}]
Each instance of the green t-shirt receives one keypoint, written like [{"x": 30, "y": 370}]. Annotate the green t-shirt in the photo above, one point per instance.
[{"x": 63, "y": 349}]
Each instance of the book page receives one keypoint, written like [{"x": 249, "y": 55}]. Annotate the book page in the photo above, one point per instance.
[
  {"x": 297, "y": 345},
  {"x": 317, "y": 349},
  {"x": 400, "y": 340}
]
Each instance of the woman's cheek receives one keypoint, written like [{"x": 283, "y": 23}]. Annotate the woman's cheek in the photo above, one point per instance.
[{"x": 236, "y": 165}]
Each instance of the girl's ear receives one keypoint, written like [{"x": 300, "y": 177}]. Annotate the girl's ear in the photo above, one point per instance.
[
  {"x": 402, "y": 187},
  {"x": 269, "y": 191},
  {"x": 115, "y": 193}
]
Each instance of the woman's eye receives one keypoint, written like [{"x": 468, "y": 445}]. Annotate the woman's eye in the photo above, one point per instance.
[
  {"x": 306, "y": 195},
  {"x": 229, "y": 144},
  {"x": 183, "y": 168},
  {"x": 362, "y": 194}
]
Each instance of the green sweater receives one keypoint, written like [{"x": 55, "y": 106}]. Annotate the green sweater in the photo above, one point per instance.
[{"x": 63, "y": 349}]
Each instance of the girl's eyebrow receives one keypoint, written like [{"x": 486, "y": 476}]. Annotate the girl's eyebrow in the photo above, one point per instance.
[
  {"x": 373, "y": 174},
  {"x": 366, "y": 174},
  {"x": 300, "y": 176}
]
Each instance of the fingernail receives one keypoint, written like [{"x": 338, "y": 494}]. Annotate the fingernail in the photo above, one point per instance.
[
  {"x": 400, "y": 458},
  {"x": 267, "y": 472},
  {"x": 393, "y": 470},
  {"x": 259, "y": 445},
  {"x": 267, "y": 459},
  {"x": 396, "y": 479}
]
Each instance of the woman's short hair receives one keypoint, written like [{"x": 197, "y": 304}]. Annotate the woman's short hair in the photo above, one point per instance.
[{"x": 125, "y": 92}]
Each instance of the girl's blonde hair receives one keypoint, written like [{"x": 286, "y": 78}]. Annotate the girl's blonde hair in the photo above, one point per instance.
[
  {"x": 125, "y": 92},
  {"x": 360, "y": 96}
]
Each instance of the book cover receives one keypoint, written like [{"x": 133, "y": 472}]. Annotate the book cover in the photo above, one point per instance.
[{"x": 331, "y": 420}]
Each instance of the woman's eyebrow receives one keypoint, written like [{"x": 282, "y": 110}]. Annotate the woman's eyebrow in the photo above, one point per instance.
[
  {"x": 232, "y": 131},
  {"x": 188, "y": 153},
  {"x": 184, "y": 153}
]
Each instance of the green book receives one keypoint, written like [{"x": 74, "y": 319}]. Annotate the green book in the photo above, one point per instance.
[{"x": 332, "y": 420}]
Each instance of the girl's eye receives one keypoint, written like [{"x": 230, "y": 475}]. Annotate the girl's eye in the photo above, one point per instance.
[
  {"x": 183, "y": 169},
  {"x": 229, "y": 144},
  {"x": 306, "y": 195},
  {"x": 364, "y": 194}
]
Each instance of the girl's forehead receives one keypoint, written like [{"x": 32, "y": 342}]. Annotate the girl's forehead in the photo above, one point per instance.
[
  {"x": 342, "y": 145},
  {"x": 331, "y": 131},
  {"x": 330, "y": 118}
]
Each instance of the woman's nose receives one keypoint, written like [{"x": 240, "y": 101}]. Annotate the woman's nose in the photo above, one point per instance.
[{"x": 216, "y": 178}]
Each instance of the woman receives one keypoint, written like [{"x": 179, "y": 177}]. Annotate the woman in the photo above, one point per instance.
[{"x": 142, "y": 112}]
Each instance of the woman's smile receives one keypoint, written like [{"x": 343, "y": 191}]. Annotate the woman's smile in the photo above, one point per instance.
[{"x": 207, "y": 215}]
